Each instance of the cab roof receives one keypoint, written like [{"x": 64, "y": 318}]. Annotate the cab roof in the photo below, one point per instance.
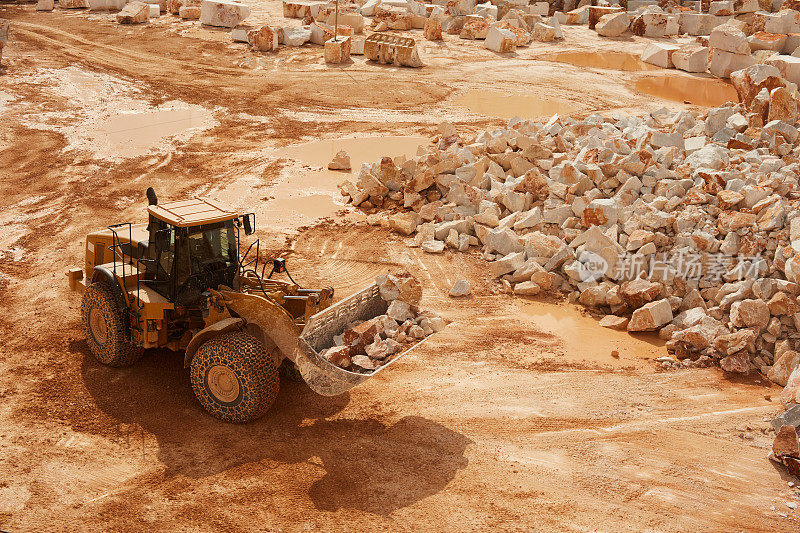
[{"x": 194, "y": 212}]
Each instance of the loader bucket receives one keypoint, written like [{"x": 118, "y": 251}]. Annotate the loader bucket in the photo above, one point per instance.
[{"x": 323, "y": 377}]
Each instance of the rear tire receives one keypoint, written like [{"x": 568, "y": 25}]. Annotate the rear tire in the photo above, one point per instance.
[
  {"x": 234, "y": 377},
  {"x": 104, "y": 327}
]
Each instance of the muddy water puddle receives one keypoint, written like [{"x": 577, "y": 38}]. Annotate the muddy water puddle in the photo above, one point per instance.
[
  {"x": 709, "y": 92},
  {"x": 110, "y": 116},
  {"x": 361, "y": 150},
  {"x": 304, "y": 194},
  {"x": 508, "y": 105},
  {"x": 134, "y": 133},
  {"x": 313, "y": 206},
  {"x": 604, "y": 60},
  {"x": 585, "y": 340}
]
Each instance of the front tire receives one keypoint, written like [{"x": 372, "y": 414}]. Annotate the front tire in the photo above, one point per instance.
[
  {"x": 104, "y": 327},
  {"x": 234, "y": 377}
]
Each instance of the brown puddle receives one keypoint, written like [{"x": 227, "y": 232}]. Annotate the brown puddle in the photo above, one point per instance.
[
  {"x": 303, "y": 195},
  {"x": 131, "y": 134},
  {"x": 508, "y": 105},
  {"x": 709, "y": 92},
  {"x": 313, "y": 206},
  {"x": 585, "y": 340},
  {"x": 361, "y": 150},
  {"x": 607, "y": 60}
]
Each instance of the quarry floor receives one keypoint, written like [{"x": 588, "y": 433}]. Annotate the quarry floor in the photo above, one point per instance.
[{"x": 515, "y": 417}]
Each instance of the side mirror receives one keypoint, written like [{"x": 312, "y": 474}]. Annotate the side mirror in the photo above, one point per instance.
[
  {"x": 163, "y": 239},
  {"x": 249, "y": 222}
]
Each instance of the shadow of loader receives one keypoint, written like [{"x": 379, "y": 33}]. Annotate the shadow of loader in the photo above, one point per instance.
[{"x": 369, "y": 465}]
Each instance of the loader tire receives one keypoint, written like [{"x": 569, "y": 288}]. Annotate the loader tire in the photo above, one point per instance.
[
  {"x": 104, "y": 327},
  {"x": 234, "y": 377}
]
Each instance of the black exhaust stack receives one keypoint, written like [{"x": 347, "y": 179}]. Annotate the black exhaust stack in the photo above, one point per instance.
[{"x": 152, "y": 199}]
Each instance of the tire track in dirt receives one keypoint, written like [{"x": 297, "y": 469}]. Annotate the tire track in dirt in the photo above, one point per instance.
[{"x": 114, "y": 57}]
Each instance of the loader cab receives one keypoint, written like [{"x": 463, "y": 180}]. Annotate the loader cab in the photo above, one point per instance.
[{"x": 193, "y": 247}]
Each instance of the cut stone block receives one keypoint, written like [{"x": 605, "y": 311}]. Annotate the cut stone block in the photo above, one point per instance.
[
  {"x": 264, "y": 39},
  {"x": 174, "y": 6},
  {"x": 556, "y": 25},
  {"x": 321, "y": 32},
  {"x": 239, "y": 33},
  {"x": 73, "y": 4},
  {"x": 650, "y": 25},
  {"x": 598, "y": 12},
  {"x": 577, "y": 16},
  {"x": 475, "y": 27},
  {"x": 433, "y": 29},
  {"x": 729, "y": 38},
  {"x": 487, "y": 10},
  {"x": 110, "y": 5},
  {"x": 392, "y": 49},
  {"x": 356, "y": 46},
  {"x": 691, "y": 58},
  {"x": 542, "y": 33},
  {"x": 294, "y": 36},
  {"x": 134, "y": 13},
  {"x": 300, "y": 9},
  {"x": 659, "y": 54},
  {"x": 354, "y": 20},
  {"x": 745, "y": 6},
  {"x": 523, "y": 37},
  {"x": 500, "y": 40},
  {"x": 223, "y": 13},
  {"x": 337, "y": 51},
  {"x": 698, "y": 23},
  {"x": 724, "y": 7},
  {"x": 724, "y": 63},
  {"x": 789, "y": 67},
  {"x": 636, "y": 5},
  {"x": 767, "y": 41},
  {"x": 540, "y": 8},
  {"x": 189, "y": 12},
  {"x": 369, "y": 7},
  {"x": 784, "y": 21},
  {"x": 613, "y": 24}
]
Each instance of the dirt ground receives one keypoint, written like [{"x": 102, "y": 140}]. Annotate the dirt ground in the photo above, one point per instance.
[{"x": 515, "y": 417}]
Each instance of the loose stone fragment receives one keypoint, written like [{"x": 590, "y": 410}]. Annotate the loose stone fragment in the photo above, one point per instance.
[
  {"x": 341, "y": 161},
  {"x": 460, "y": 288}
]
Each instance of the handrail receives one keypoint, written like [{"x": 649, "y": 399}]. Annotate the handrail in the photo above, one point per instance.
[{"x": 117, "y": 248}]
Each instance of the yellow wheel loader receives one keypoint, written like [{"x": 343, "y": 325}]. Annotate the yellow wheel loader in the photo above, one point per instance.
[{"x": 180, "y": 282}]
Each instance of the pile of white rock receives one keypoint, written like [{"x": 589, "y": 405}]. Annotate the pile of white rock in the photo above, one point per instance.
[
  {"x": 733, "y": 35},
  {"x": 367, "y": 346},
  {"x": 672, "y": 222}
]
